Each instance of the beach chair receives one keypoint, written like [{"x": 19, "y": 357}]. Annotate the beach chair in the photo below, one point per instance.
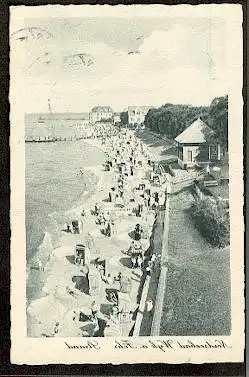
[{"x": 79, "y": 256}]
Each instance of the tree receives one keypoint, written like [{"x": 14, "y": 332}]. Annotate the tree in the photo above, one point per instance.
[
  {"x": 171, "y": 120},
  {"x": 124, "y": 118},
  {"x": 218, "y": 119}
]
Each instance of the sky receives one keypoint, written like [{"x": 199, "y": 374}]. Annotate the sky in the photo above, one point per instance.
[{"x": 82, "y": 62}]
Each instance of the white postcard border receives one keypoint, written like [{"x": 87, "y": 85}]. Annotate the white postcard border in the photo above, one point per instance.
[{"x": 43, "y": 351}]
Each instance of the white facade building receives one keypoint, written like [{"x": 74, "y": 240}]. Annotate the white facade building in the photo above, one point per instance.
[
  {"x": 100, "y": 113},
  {"x": 136, "y": 114},
  {"x": 116, "y": 118}
]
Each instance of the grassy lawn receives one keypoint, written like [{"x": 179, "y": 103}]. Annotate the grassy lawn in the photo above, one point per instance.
[
  {"x": 222, "y": 190},
  {"x": 197, "y": 297},
  {"x": 164, "y": 148}
]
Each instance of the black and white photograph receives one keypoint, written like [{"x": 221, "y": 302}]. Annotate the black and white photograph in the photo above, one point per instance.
[{"x": 126, "y": 203}]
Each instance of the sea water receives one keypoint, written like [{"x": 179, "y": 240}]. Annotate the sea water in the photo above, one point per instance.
[{"x": 54, "y": 183}]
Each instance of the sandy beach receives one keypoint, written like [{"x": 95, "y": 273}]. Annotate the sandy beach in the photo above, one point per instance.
[{"x": 62, "y": 299}]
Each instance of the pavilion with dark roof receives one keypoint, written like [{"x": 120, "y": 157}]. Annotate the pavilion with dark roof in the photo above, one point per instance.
[{"x": 193, "y": 146}]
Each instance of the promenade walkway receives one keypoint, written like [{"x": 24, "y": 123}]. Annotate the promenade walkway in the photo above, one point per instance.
[
  {"x": 195, "y": 297},
  {"x": 146, "y": 324}
]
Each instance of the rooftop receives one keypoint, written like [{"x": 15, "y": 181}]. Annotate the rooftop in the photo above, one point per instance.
[
  {"x": 142, "y": 108},
  {"x": 101, "y": 109},
  {"x": 195, "y": 133}
]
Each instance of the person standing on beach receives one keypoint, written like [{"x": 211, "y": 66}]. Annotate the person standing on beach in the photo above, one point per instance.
[
  {"x": 139, "y": 261},
  {"x": 131, "y": 248},
  {"x": 156, "y": 199},
  {"x": 109, "y": 279},
  {"x": 145, "y": 195},
  {"x": 153, "y": 258},
  {"x": 94, "y": 310},
  {"x": 133, "y": 261},
  {"x": 149, "y": 307},
  {"x": 113, "y": 226},
  {"x": 140, "y": 205},
  {"x": 96, "y": 327},
  {"x": 110, "y": 197},
  {"x": 40, "y": 265},
  {"x": 121, "y": 192},
  {"x": 89, "y": 242},
  {"x": 152, "y": 202},
  {"x": 138, "y": 232},
  {"x": 148, "y": 269},
  {"x": 101, "y": 270},
  {"x": 132, "y": 170},
  {"x": 148, "y": 201},
  {"x": 97, "y": 209},
  {"x": 109, "y": 229},
  {"x": 56, "y": 329}
]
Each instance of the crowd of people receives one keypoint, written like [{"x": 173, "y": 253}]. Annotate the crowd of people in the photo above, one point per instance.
[
  {"x": 137, "y": 188},
  {"x": 136, "y": 193}
]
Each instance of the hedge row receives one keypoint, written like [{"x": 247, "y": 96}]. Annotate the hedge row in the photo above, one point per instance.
[{"x": 212, "y": 221}]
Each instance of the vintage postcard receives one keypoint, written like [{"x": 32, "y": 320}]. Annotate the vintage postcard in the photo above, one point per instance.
[{"x": 126, "y": 184}]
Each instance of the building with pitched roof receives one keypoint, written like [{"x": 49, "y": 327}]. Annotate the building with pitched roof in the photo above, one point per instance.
[
  {"x": 136, "y": 114},
  {"x": 193, "y": 146},
  {"x": 101, "y": 114},
  {"x": 116, "y": 118}
]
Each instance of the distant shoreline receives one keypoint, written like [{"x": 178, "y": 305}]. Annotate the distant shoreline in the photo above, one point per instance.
[{"x": 57, "y": 116}]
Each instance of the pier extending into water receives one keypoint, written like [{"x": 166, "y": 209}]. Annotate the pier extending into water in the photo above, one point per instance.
[{"x": 47, "y": 139}]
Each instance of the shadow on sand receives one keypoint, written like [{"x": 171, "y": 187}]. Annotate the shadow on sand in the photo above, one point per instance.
[
  {"x": 126, "y": 262},
  {"x": 70, "y": 258},
  {"x": 81, "y": 283},
  {"x": 106, "y": 309}
]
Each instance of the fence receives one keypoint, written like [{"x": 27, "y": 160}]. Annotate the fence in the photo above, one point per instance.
[
  {"x": 156, "y": 322},
  {"x": 177, "y": 184},
  {"x": 140, "y": 313}
]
